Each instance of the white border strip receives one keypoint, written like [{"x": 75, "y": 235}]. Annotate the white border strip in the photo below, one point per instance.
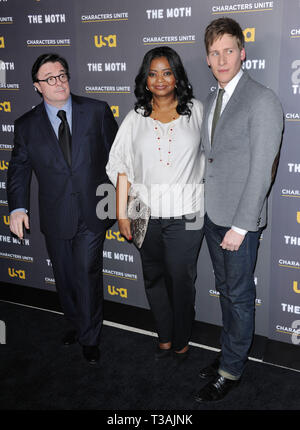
[{"x": 151, "y": 333}]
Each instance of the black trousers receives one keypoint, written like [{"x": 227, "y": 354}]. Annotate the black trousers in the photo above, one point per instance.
[
  {"x": 169, "y": 259},
  {"x": 77, "y": 265}
]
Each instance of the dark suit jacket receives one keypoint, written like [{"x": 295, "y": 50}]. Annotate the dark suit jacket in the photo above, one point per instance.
[{"x": 62, "y": 189}]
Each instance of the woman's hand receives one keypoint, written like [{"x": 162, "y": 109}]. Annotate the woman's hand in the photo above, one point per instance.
[{"x": 124, "y": 228}]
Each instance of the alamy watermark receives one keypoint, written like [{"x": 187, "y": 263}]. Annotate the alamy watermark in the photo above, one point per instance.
[
  {"x": 2, "y": 333},
  {"x": 2, "y": 73},
  {"x": 296, "y": 332},
  {"x": 163, "y": 197}
]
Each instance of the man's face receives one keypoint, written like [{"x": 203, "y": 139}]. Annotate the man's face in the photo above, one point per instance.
[
  {"x": 55, "y": 95},
  {"x": 225, "y": 58}
]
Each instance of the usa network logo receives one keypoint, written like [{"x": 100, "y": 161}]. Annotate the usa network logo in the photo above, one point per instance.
[{"x": 110, "y": 41}]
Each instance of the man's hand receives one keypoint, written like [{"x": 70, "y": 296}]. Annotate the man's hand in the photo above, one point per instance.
[
  {"x": 124, "y": 228},
  {"x": 232, "y": 240},
  {"x": 16, "y": 221}
]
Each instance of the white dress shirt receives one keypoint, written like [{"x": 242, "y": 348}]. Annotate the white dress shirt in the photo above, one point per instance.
[
  {"x": 163, "y": 161},
  {"x": 229, "y": 89}
]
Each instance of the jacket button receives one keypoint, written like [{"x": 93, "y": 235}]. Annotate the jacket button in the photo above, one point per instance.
[{"x": 210, "y": 160}]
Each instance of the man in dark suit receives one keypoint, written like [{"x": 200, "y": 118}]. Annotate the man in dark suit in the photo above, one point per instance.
[
  {"x": 241, "y": 135},
  {"x": 65, "y": 140}
]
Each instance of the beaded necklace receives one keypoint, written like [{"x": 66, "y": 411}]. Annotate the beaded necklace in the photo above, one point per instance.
[
  {"x": 159, "y": 137},
  {"x": 170, "y": 131}
]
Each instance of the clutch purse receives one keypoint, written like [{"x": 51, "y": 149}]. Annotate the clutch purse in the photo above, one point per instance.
[{"x": 138, "y": 214}]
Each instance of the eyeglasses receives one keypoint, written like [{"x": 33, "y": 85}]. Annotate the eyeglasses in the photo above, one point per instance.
[{"x": 63, "y": 77}]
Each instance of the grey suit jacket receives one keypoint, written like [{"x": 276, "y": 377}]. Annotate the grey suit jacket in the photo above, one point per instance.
[{"x": 239, "y": 165}]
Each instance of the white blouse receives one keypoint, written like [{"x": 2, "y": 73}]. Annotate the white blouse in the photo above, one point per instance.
[{"x": 163, "y": 161}]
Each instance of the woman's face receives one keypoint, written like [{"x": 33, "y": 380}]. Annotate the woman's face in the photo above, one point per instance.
[{"x": 161, "y": 80}]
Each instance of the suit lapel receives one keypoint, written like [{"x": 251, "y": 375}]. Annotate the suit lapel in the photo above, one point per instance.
[
  {"x": 49, "y": 135},
  {"x": 77, "y": 127},
  {"x": 46, "y": 129},
  {"x": 208, "y": 105},
  {"x": 227, "y": 112}
]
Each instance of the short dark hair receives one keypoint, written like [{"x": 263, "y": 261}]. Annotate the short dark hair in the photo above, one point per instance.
[
  {"x": 48, "y": 58},
  {"x": 184, "y": 90},
  {"x": 221, "y": 26}
]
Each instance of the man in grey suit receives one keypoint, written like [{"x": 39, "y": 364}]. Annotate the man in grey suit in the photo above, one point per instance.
[{"x": 241, "y": 136}]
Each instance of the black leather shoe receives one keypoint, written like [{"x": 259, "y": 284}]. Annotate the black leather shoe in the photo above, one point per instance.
[
  {"x": 216, "y": 389},
  {"x": 91, "y": 353},
  {"x": 70, "y": 338},
  {"x": 162, "y": 353},
  {"x": 211, "y": 370}
]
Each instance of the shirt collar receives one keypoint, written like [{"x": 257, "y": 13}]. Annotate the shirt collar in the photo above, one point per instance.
[
  {"x": 230, "y": 87},
  {"x": 52, "y": 110}
]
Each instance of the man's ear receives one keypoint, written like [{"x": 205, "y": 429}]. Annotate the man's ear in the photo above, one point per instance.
[
  {"x": 243, "y": 54},
  {"x": 37, "y": 87}
]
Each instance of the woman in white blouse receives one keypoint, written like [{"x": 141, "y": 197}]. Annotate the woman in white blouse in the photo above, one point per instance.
[{"x": 157, "y": 153}]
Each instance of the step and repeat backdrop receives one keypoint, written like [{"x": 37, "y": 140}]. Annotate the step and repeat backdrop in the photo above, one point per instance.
[{"x": 104, "y": 43}]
